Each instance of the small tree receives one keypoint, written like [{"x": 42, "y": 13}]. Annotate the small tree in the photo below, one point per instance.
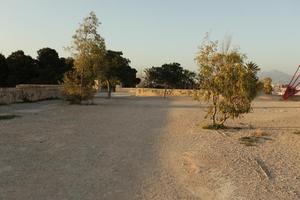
[
  {"x": 267, "y": 85},
  {"x": 88, "y": 50},
  {"x": 225, "y": 81}
]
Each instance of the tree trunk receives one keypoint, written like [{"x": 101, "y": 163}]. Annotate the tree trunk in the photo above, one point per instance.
[
  {"x": 81, "y": 83},
  {"x": 215, "y": 111},
  {"x": 165, "y": 92},
  {"x": 108, "y": 89},
  {"x": 214, "y": 116}
]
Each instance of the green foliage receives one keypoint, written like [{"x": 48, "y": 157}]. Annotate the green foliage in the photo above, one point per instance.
[
  {"x": 73, "y": 91},
  {"x": 89, "y": 51},
  {"x": 116, "y": 70},
  {"x": 3, "y": 70},
  {"x": 170, "y": 76},
  {"x": 19, "y": 68},
  {"x": 51, "y": 68},
  {"x": 252, "y": 85},
  {"x": 267, "y": 85},
  {"x": 226, "y": 82}
]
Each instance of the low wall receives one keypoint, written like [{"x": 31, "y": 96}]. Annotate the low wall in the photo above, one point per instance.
[
  {"x": 29, "y": 93},
  {"x": 131, "y": 91},
  {"x": 156, "y": 92}
]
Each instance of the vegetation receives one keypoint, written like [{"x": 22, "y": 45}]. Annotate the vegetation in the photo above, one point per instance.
[
  {"x": 116, "y": 70},
  {"x": 90, "y": 62},
  {"x": 93, "y": 62},
  {"x": 214, "y": 127},
  {"x": 267, "y": 85},
  {"x": 170, "y": 76},
  {"x": 8, "y": 116},
  {"x": 88, "y": 49},
  {"x": 3, "y": 70},
  {"x": 256, "y": 137},
  {"x": 51, "y": 67},
  {"x": 297, "y": 132},
  {"x": 19, "y": 68},
  {"x": 226, "y": 81}
]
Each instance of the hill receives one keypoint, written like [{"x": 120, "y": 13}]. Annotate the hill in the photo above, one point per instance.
[{"x": 278, "y": 77}]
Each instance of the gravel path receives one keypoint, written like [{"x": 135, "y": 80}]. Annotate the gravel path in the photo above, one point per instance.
[{"x": 146, "y": 148}]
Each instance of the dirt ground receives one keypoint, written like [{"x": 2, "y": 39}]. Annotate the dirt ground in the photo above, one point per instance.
[{"x": 147, "y": 148}]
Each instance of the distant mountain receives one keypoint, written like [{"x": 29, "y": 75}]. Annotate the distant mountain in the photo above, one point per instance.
[{"x": 278, "y": 77}]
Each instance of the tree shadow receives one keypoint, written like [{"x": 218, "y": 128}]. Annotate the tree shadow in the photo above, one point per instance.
[{"x": 107, "y": 149}]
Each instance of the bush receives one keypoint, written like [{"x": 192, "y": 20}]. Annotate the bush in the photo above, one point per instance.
[{"x": 226, "y": 81}]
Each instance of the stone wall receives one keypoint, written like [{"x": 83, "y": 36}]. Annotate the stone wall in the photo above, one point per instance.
[
  {"x": 131, "y": 91},
  {"x": 155, "y": 92},
  {"x": 29, "y": 93}
]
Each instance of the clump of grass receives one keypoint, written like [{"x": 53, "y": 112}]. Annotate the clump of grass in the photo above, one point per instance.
[
  {"x": 249, "y": 140},
  {"x": 214, "y": 127},
  {"x": 255, "y": 138},
  {"x": 259, "y": 134},
  {"x": 7, "y": 116},
  {"x": 297, "y": 132}
]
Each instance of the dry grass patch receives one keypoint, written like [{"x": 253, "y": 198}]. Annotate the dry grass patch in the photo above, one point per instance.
[
  {"x": 297, "y": 132},
  {"x": 255, "y": 138},
  {"x": 214, "y": 127}
]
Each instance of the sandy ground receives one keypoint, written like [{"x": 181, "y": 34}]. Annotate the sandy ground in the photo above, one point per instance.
[{"x": 147, "y": 148}]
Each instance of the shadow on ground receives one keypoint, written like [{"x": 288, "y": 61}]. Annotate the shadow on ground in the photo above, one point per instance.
[{"x": 56, "y": 151}]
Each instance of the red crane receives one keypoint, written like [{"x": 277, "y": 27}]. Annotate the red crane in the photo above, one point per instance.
[{"x": 291, "y": 89}]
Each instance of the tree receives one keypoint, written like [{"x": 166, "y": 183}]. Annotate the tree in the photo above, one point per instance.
[
  {"x": 19, "y": 68},
  {"x": 22, "y": 69},
  {"x": 51, "y": 67},
  {"x": 66, "y": 65},
  {"x": 267, "y": 85},
  {"x": 127, "y": 77},
  {"x": 89, "y": 51},
  {"x": 117, "y": 70},
  {"x": 189, "y": 79},
  {"x": 3, "y": 71},
  {"x": 253, "y": 85},
  {"x": 170, "y": 76},
  {"x": 226, "y": 82}
]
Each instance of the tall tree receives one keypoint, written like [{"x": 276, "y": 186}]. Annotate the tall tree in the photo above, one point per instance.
[
  {"x": 226, "y": 82},
  {"x": 170, "y": 76},
  {"x": 49, "y": 66},
  {"x": 252, "y": 84},
  {"x": 3, "y": 71},
  {"x": 117, "y": 70},
  {"x": 66, "y": 65},
  {"x": 188, "y": 80},
  {"x": 22, "y": 69},
  {"x": 89, "y": 51}
]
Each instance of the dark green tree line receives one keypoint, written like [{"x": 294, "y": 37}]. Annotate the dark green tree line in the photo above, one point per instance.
[
  {"x": 170, "y": 76},
  {"x": 117, "y": 70},
  {"x": 19, "y": 68}
]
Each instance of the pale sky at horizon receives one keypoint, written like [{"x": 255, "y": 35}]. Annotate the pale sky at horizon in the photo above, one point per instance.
[{"x": 151, "y": 33}]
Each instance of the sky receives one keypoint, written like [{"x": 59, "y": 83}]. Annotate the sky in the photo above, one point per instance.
[{"x": 154, "y": 32}]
